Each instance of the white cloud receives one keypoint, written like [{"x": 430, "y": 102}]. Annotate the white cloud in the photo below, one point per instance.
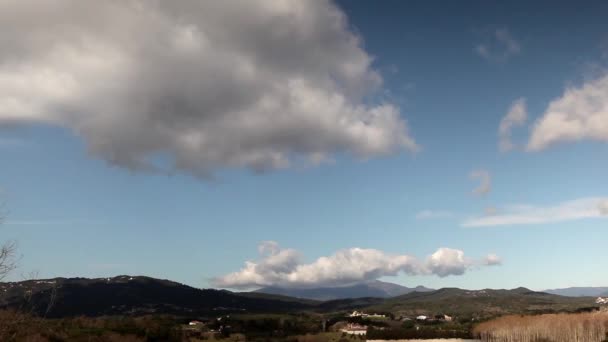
[
  {"x": 433, "y": 214},
  {"x": 500, "y": 47},
  {"x": 284, "y": 268},
  {"x": 525, "y": 214},
  {"x": 603, "y": 207},
  {"x": 516, "y": 116},
  {"x": 447, "y": 261},
  {"x": 208, "y": 84},
  {"x": 492, "y": 260},
  {"x": 580, "y": 113},
  {"x": 485, "y": 182}
]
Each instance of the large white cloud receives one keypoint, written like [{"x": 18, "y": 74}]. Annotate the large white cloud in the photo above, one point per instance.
[
  {"x": 206, "y": 84},
  {"x": 284, "y": 268},
  {"x": 583, "y": 208},
  {"x": 516, "y": 116},
  {"x": 580, "y": 113}
]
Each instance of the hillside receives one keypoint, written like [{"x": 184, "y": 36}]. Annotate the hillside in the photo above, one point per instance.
[
  {"x": 136, "y": 296},
  {"x": 126, "y": 295},
  {"x": 481, "y": 303},
  {"x": 375, "y": 289}
]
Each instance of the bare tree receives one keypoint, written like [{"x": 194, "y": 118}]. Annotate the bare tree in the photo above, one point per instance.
[
  {"x": 7, "y": 258},
  {"x": 7, "y": 254}
]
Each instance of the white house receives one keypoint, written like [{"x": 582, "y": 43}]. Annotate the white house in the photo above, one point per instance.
[
  {"x": 421, "y": 318},
  {"x": 355, "y": 329}
]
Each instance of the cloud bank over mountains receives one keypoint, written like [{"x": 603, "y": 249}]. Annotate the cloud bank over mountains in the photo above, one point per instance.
[
  {"x": 286, "y": 81},
  {"x": 285, "y": 268}
]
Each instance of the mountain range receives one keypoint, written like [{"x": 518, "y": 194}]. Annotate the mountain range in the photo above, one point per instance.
[
  {"x": 136, "y": 296},
  {"x": 376, "y": 289},
  {"x": 580, "y": 291}
]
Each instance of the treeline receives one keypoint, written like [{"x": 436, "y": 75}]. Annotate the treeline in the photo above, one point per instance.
[
  {"x": 15, "y": 326},
  {"x": 582, "y": 327}
]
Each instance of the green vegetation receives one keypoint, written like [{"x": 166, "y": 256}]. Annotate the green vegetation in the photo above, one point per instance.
[
  {"x": 480, "y": 305},
  {"x": 22, "y": 327}
]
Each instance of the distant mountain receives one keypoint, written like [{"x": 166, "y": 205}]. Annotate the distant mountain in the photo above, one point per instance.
[
  {"x": 126, "y": 295},
  {"x": 580, "y": 291},
  {"x": 482, "y": 303},
  {"x": 374, "y": 289}
]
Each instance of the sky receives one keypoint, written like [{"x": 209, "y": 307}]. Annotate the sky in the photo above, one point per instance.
[{"x": 287, "y": 143}]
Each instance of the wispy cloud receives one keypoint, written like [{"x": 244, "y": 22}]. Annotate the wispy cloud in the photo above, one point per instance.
[
  {"x": 284, "y": 267},
  {"x": 485, "y": 182},
  {"x": 584, "y": 208},
  {"x": 500, "y": 47},
  {"x": 11, "y": 142},
  {"x": 433, "y": 214},
  {"x": 47, "y": 222},
  {"x": 516, "y": 116}
]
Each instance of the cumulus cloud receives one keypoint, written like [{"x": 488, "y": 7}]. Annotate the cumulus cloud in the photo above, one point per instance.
[
  {"x": 500, "y": 47},
  {"x": 516, "y": 116},
  {"x": 485, "y": 182},
  {"x": 433, "y": 214},
  {"x": 204, "y": 84},
  {"x": 447, "y": 261},
  {"x": 581, "y": 113},
  {"x": 284, "y": 268},
  {"x": 583, "y": 208}
]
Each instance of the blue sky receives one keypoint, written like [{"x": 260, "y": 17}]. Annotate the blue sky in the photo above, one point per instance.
[{"x": 80, "y": 202}]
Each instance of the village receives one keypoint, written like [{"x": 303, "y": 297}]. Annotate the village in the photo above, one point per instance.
[{"x": 361, "y": 328}]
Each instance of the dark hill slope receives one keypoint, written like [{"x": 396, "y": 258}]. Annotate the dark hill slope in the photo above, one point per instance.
[
  {"x": 481, "y": 303},
  {"x": 125, "y": 295}
]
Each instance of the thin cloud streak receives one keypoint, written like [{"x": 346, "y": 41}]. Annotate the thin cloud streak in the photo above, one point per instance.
[
  {"x": 43, "y": 222},
  {"x": 433, "y": 214},
  {"x": 584, "y": 208}
]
